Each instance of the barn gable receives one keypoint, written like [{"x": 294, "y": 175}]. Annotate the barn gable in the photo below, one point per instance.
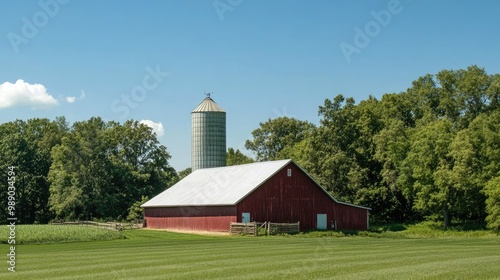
[{"x": 291, "y": 195}]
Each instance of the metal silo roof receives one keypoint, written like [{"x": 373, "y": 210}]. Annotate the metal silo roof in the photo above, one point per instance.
[{"x": 208, "y": 105}]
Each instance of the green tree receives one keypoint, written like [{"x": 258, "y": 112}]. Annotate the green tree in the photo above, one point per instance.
[
  {"x": 140, "y": 164},
  {"x": 27, "y": 145},
  {"x": 344, "y": 147},
  {"x": 458, "y": 95},
  {"x": 453, "y": 178},
  {"x": 484, "y": 137},
  {"x": 100, "y": 169},
  {"x": 492, "y": 191},
  {"x": 236, "y": 157},
  {"x": 465, "y": 176},
  {"x": 303, "y": 153},
  {"x": 135, "y": 212},
  {"x": 392, "y": 146},
  {"x": 79, "y": 171},
  {"x": 275, "y": 135},
  {"x": 428, "y": 165},
  {"x": 493, "y": 92},
  {"x": 183, "y": 173}
]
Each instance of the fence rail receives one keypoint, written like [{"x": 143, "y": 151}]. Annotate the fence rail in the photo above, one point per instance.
[
  {"x": 109, "y": 225},
  {"x": 244, "y": 228},
  {"x": 270, "y": 228},
  {"x": 279, "y": 228}
]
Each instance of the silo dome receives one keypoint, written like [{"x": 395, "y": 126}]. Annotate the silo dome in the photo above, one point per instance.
[{"x": 208, "y": 135}]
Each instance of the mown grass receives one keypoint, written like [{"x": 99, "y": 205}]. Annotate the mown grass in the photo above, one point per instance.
[
  {"x": 42, "y": 234},
  {"x": 146, "y": 254}
]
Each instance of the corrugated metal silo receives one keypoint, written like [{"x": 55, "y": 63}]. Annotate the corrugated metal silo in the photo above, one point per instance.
[{"x": 208, "y": 135}]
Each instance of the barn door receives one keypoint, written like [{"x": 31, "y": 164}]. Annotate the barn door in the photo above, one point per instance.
[
  {"x": 321, "y": 221},
  {"x": 245, "y": 217}
]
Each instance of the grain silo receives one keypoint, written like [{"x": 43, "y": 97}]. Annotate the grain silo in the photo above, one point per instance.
[{"x": 208, "y": 135}]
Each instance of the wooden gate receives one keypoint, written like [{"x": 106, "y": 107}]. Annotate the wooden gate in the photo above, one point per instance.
[{"x": 244, "y": 228}]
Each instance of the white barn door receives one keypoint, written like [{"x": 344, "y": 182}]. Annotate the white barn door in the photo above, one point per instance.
[{"x": 321, "y": 221}]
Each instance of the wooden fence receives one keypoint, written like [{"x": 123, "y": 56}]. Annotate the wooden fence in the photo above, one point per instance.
[
  {"x": 280, "y": 228},
  {"x": 244, "y": 228},
  {"x": 109, "y": 225},
  {"x": 270, "y": 228}
]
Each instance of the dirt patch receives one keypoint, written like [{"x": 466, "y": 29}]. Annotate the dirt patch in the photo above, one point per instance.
[{"x": 198, "y": 232}]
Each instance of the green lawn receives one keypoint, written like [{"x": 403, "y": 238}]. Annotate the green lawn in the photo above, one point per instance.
[
  {"x": 148, "y": 254},
  {"x": 40, "y": 234}
]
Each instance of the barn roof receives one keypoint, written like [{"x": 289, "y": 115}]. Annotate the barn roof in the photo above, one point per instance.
[
  {"x": 217, "y": 186},
  {"x": 222, "y": 185}
]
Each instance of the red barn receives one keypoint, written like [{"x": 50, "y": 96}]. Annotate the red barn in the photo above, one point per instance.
[{"x": 276, "y": 191}]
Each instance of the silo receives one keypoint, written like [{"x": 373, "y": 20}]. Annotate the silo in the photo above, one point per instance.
[{"x": 208, "y": 135}]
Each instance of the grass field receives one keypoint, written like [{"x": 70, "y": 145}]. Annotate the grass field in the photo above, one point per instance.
[
  {"x": 40, "y": 234},
  {"x": 148, "y": 254}
]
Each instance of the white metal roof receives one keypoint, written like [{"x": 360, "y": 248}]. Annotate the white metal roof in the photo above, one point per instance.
[
  {"x": 217, "y": 186},
  {"x": 224, "y": 185},
  {"x": 208, "y": 105}
]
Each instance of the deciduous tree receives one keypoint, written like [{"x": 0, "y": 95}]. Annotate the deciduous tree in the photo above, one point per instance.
[
  {"x": 100, "y": 169},
  {"x": 275, "y": 135},
  {"x": 236, "y": 157}
]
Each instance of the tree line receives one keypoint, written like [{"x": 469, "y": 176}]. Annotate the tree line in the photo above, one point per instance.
[
  {"x": 91, "y": 170},
  {"x": 431, "y": 152}
]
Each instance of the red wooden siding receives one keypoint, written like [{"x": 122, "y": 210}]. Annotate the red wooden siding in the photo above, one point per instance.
[
  {"x": 206, "y": 218},
  {"x": 350, "y": 217},
  {"x": 297, "y": 198},
  {"x": 282, "y": 198}
]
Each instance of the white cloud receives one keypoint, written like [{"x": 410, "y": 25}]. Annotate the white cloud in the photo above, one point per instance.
[
  {"x": 72, "y": 99},
  {"x": 157, "y": 127},
  {"x": 23, "y": 94}
]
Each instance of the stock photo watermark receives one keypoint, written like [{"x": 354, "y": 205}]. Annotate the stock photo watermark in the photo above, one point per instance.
[
  {"x": 282, "y": 113},
  {"x": 150, "y": 81},
  {"x": 364, "y": 35},
  {"x": 223, "y": 6},
  {"x": 11, "y": 217},
  {"x": 31, "y": 26}
]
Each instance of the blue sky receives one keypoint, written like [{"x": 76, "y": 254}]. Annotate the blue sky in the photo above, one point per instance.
[{"x": 154, "y": 60}]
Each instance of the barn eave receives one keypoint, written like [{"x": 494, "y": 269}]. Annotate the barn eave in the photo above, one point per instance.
[{"x": 187, "y": 205}]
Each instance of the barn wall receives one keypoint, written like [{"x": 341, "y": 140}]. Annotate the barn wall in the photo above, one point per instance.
[
  {"x": 206, "y": 218},
  {"x": 350, "y": 217},
  {"x": 287, "y": 200},
  {"x": 297, "y": 198}
]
